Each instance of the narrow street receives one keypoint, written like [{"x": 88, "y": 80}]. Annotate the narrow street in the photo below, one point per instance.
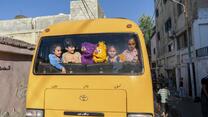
[{"x": 181, "y": 107}]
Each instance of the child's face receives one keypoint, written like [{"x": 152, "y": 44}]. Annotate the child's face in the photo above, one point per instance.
[
  {"x": 131, "y": 44},
  {"x": 112, "y": 52},
  {"x": 70, "y": 49},
  {"x": 58, "y": 51}
]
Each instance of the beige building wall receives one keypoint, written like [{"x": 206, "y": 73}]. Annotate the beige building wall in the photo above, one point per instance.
[
  {"x": 15, "y": 60},
  {"x": 14, "y": 72},
  {"x": 28, "y": 29},
  {"x": 85, "y": 9}
]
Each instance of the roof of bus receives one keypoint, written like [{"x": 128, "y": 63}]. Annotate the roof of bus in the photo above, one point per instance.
[{"x": 91, "y": 26}]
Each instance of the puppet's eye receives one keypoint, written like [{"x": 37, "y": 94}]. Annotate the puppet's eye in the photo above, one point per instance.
[
  {"x": 99, "y": 50},
  {"x": 83, "y": 49}
]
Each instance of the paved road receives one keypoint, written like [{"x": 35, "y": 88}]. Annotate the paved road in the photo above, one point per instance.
[{"x": 184, "y": 108}]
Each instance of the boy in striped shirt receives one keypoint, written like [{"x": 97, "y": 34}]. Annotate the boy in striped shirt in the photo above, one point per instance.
[{"x": 164, "y": 94}]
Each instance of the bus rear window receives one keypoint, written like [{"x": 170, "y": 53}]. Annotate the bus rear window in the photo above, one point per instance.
[{"x": 89, "y": 54}]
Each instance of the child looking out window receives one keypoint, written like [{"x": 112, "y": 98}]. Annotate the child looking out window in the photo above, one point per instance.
[
  {"x": 55, "y": 58},
  {"x": 71, "y": 56},
  {"x": 112, "y": 55}
]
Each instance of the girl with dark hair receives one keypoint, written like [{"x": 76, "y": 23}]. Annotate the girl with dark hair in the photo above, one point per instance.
[{"x": 55, "y": 58}]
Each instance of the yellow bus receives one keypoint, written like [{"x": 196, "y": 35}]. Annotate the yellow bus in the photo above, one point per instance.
[{"x": 118, "y": 84}]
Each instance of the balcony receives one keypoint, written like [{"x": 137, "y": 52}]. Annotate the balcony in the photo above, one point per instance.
[{"x": 202, "y": 52}]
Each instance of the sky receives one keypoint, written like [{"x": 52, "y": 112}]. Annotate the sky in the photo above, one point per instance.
[{"x": 131, "y": 9}]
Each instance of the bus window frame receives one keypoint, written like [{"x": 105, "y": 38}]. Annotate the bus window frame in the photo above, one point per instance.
[{"x": 118, "y": 74}]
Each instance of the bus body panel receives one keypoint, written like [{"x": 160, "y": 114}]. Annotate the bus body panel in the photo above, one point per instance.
[
  {"x": 137, "y": 93},
  {"x": 85, "y": 100}
]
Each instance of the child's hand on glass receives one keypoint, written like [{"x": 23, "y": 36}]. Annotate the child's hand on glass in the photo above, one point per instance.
[{"x": 63, "y": 70}]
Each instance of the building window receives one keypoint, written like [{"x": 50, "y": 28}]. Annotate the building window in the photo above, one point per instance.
[
  {"x": 156, "y": 12},
  {"x": 164, "y": 1},
  {"x": 180, "y": 8},
  {"x": 170, "y": 47},
  {"x": 158, "y": 35},
  {"x": 168, "y": 25},
  {"x": 202, "y": 52},
  {"x": 182, "y": 41},
  {"x": 154, "y": 51},
  {"x": 153, "y": 65}
]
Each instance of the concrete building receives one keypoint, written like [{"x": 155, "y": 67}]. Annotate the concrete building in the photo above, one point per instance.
[
  {"x": 28, "y": 29},
  {"x": 172, "y": 42},
  {"x": 200, "y": 37}
]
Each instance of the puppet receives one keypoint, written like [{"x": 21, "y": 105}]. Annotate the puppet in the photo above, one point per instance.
[
  {"x": 99, "y": 55},
  {"x": 87, "y": 52}
]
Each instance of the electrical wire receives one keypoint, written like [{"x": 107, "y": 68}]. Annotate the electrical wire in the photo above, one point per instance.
[
  {"x": 85, "y": 8},
  {"x": 83, "y": 11},
  {"x": 89, "y": 8}
]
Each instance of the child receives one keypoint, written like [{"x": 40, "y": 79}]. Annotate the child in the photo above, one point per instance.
[
  {"x": 112, "y": 57},
  {"x": 131, "y": 54},
  {"x": 55, "y": 58},
  {"x": 181, "y": 88},
  {"x": 164, "y": 94},
  {"x": 71, "y": 56}
]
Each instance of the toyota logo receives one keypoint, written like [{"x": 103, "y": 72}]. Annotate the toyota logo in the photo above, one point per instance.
[{"x": 83, "y": 98}]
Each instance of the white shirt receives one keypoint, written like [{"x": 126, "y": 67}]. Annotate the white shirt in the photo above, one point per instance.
[{"x": 164, "y": 93}]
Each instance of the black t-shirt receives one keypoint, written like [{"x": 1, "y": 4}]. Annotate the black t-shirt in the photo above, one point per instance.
[{"x": 204, "y": 81}]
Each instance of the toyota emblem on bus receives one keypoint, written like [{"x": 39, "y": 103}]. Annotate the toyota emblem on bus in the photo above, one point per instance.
[{"x": 83, "y": 98}]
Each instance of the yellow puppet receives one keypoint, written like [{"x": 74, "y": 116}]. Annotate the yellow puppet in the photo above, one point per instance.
[{"x": 100, "y": 54}]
